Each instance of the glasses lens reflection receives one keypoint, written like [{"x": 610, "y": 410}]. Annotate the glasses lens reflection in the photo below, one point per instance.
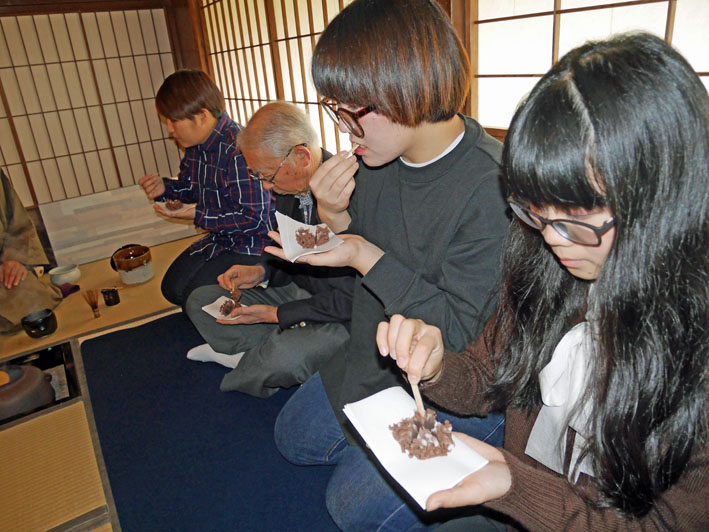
[{"x": 574, "y": 231}]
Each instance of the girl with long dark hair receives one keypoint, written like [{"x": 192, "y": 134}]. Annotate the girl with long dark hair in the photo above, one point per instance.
[{"x": 598, "y": 348}]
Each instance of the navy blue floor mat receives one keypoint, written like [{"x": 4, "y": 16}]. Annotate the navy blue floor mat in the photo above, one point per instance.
[{"x": 180, "y": 454}]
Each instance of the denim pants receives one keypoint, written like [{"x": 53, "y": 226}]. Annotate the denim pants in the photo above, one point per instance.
[{"x": 359, "y": 497}]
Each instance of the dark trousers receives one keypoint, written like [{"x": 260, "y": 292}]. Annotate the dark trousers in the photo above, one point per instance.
[{"x": 188, "y": 272}]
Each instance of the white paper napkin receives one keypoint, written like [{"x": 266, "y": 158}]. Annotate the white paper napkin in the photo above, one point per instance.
[
  {"x": 213, "y": 309},
  {"x": 562, "y": 383},
  {"x": 287, "y": 227},
  {"x": 420, "y": 478}
]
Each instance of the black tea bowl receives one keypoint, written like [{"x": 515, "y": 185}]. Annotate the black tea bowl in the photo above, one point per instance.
[{"x": 40, "y": 323}]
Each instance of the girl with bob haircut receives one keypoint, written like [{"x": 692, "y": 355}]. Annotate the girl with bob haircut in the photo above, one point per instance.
[
  {"x": 598, "y": 349},
  {"x": 396, "y": 66},
  {"x": 425, "y": 224}
]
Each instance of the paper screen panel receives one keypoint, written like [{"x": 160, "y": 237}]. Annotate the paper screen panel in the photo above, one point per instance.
[
  {"x": 18, "y": 54},
  {"x": 506, "y": 94},
  {"x": 40, "y": 136},
  {"x": 8, "y": 152},
  {"x": 86, "y": 104},
  {"x": 572, "y": 4},
  {"x": 26, "y": 138},
  {"x": 68, "y": 188},
  {"x": 534, "y": 57},
  {"x": 260, "y": 51},
  {"x": 488, "y": 9},
  {"x": 5, "y": 59},
  {"x": 30, "y": 40},
  {"x": 70, "y": 131},
  {"x": 577, "y": 28},
  {"x": 109, "y": 168},
  {"x": 60, "y": 85},
  {"x": 55, "y": 129},
  {"x": 503, "y": 24},
  {"x": 692, "y": 21},
  {"x": 17, "y": 175},
  {"x": 28, "y": 90}
]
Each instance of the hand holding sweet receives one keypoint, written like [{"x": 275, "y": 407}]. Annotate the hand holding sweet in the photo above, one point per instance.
[
  {"x": 416, "y": 346},
  {"x": 332, "y": 184},
  {"x": 252, "y": 314},
  {"x": 240, "y": 276},
  {"x": 152, "y": 185},
  {"x": 491, "y": 482},
  {"x": 12, "y": 273},
  {"x": 355, "y": 252},
  {"x": 183, "y": 214}
]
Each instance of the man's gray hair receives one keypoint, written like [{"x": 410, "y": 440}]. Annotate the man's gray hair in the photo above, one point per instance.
[{"x": 276, "y": 128}]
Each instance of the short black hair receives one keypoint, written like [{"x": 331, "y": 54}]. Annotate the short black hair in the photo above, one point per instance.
[
  {"x": 186, "y": 92},
  {"x": 402, "y": 57}
]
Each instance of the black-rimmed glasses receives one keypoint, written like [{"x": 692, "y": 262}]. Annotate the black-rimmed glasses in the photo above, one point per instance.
[
  {"x": 349, "y": 119},
  {"x": 579, "y": 232},
  {"x": 256, "y": 176}
]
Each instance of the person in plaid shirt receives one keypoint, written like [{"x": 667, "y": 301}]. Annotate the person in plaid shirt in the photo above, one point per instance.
[{"x": 236, "y": 211}]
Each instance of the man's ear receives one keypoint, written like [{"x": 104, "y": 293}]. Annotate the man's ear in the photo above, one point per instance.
[
  {"x": 202, "y": 116},
  {"x": 301, "y": 155}
]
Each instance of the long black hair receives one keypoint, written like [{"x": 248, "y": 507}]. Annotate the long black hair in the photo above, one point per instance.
[{"x": 624, "y": 124}]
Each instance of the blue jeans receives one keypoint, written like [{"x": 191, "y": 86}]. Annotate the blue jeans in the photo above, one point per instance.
[{"x": 358, "y": 496}]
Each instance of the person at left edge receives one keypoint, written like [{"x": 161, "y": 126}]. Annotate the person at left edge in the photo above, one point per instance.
[
  {"x": 235, "y": 210},
  {"x": 21, "y": 290}
]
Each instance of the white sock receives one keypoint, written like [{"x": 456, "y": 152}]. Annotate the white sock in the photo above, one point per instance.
[{"x": 204, "y": 353}]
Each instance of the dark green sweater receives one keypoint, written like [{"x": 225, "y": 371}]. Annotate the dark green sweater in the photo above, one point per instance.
[{"x": 441, "y": 228}]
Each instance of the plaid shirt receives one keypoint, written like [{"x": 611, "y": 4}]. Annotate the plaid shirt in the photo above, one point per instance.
[{"x": 235, "y": 210}]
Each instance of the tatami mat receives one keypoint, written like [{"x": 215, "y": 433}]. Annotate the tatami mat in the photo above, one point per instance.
[{"x": 49, "y": 474}]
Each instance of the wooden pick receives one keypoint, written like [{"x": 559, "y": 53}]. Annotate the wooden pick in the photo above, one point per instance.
[{"x": 417, "y": 397}]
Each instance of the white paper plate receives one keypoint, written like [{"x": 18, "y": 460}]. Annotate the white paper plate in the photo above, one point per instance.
[
  {"x": 420, "y": 478},
  {"x": 213, "y": 309},
  {"x": 185, "y": 207},
  {"x": 287, "y": 227}
]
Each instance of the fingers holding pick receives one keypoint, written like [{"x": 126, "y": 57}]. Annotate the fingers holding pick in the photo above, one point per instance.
[{"x": 416, "y": 346}]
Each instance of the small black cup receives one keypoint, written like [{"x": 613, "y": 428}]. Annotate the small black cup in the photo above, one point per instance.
[
  {"x": 110, "y": 296},
  {"x": 40, "y": 323}
]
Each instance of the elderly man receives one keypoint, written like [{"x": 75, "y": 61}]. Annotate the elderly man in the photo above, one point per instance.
[
  {"x": 296, "y": 316},
  {"x": 21, "y": 291}
]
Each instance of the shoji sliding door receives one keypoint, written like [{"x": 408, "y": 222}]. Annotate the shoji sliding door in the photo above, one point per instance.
[
  {"x": 519, "y": 41},
  {"x": 77, "y": 93},
  {"x": 260, "y": 51}
]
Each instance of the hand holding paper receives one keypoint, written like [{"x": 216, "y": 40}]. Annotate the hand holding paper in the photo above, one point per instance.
[
  {"x": 290, "y": 230},
  {"x": 490, "y": 482},
  {"x": 186, "y": 211},
  {"x": 420, "y": 478},
  {"x": 214, "y": 309}
]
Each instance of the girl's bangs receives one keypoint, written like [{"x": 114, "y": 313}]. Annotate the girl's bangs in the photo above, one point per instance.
[
  {"x": 548, "y": 155},
  {"x": 342, "y": 81}
]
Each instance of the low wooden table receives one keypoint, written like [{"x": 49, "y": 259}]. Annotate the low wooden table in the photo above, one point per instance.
[{"x": 74, "y": 316}]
